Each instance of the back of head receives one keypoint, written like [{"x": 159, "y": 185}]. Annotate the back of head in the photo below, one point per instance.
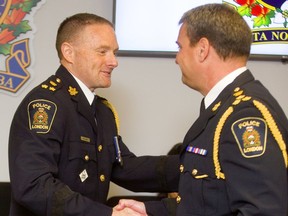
[
  {"x": 226, "y": 30},
  {"x": 72, "y": 26}
]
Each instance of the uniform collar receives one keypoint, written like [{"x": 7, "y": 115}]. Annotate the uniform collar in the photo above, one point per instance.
[
  {"x": 218, "y": 88},
  {"x": 88, "y": 94}
]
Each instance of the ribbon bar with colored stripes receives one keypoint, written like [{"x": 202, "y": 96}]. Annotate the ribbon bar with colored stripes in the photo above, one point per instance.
[{"x": 196, "y": 150}]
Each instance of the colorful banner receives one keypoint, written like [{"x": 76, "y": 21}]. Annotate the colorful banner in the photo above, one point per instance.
[
  {"x": 15, "y": 42},
  {"x": 268, "y": 20}
]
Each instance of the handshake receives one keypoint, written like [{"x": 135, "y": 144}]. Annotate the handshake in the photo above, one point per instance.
[{"x": 127, "y": 207}]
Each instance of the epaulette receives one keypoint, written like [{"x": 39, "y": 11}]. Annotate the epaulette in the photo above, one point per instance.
[
  {"x": 241, "y": 97},
  {"x": 52, "y": 84},
  {"x": 112, "y": 108}
]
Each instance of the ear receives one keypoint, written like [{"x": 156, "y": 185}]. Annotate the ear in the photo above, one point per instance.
[
  {"x": 67, "y": 52},
  {"x": 203, "y": 49}
]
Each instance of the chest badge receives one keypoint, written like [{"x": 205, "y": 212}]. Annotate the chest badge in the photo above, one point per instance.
[{"x": 83, "y": 175}]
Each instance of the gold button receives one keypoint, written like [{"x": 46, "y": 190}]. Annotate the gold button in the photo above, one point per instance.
[
  {"x": 58, "y": 80},
  {"x": 178, "y": 199},
  {"x": 102, "y": 178},
  {"x": 194, "y": 172},
  {"x": 181, "y": 168},
  {"x": 86, "y": 157},
  {"x": 100, "y": 147}
]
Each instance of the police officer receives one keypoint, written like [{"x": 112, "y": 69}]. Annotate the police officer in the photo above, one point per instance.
[
  {"x": 64, "y": 146},
  {"x": 234, "y": 157}
]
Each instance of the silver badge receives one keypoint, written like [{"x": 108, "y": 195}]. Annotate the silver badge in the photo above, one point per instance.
[{"x": 83, "y": 175}]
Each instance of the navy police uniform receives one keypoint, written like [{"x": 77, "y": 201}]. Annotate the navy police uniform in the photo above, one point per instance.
[
  {"x": 61, "y": 158},
  {"x": 234, "y": 158}
]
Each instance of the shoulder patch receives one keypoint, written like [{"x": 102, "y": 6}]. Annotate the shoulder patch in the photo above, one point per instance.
[
  {"x": 41, "y": 114},
  {"x": 251, "y": 135}
]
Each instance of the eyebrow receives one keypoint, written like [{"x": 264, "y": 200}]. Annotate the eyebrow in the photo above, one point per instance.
[{"x": 106, "y": 47}]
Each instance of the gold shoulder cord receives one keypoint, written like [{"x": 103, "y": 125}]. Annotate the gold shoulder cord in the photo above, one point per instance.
[
  {"x": 273, "y": 127},
  {"x": 239, "y": 97},
  {"x": 218, "y": 130},
  {"x": 116, "y": 117}
]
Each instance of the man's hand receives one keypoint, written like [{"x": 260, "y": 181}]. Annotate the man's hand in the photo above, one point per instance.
[{"x": 131, "y": 207}]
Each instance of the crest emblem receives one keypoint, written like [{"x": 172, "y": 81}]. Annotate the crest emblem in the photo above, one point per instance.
[
  {"x": 15, "y": 52},
  {"x": 251, "y": 137},
  {"x": 250, "y": 134},
  {"x": 41, "y": 115}
]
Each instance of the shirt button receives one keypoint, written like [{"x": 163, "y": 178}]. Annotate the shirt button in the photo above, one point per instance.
[
  {"x": 194, "y": 172},
  {"x": 100, "y": 147},
  {"x": 102, "y": 178},
  {"x": 86, "y": 158},
  {"x": 178, "y": 199},
  {"x": 181, "y": 168}
]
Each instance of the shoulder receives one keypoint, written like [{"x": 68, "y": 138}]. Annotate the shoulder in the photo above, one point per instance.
[
  {"x": 52, "y": 84},
  {"x": 112, "y": 109},
  {"x": 108, "y": 105},
  {"x": 105, "y": 102},
  {"x": 41, "y": 100}
]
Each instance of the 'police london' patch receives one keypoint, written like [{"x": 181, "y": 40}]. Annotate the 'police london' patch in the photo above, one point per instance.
[
  {"x": 41, "y": 114},
  {"x": 250, "y": 134}
]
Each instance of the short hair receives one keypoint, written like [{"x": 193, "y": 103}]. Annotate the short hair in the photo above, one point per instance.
[
  {"x": 74, "y": 25},
  {"x": 222, "y": 25}
]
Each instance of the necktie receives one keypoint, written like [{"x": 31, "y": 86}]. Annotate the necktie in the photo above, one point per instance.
[
  {"x": 202, "y": 106},
  {"x": 93, "y": 108}
]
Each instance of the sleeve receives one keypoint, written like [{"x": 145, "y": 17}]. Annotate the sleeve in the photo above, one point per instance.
[
  {"x": 147, "y": 173},
  {"x": 33, "y": 164},
  {"x": 253, "y": 164},
  {"x": 165, "y": 207}
]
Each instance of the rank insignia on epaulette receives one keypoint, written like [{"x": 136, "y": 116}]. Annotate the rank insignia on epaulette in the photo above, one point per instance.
[
  {"x": 250, "y": 134},
  {"x": 41, "y": 114},
  {"x": 44, "y": 86},
  {"x": 52, "y": 85},
  {"x": 52, "y": 89},
  {"x": 72, "y": 91},
  {"x": 216, "y": 106}
]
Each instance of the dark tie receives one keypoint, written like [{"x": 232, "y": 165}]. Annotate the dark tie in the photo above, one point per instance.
[
  {"x": 93, "y": 108},
  {"x": 202, "y": 106}
]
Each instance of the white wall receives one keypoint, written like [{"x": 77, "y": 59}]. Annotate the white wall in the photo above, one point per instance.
[{"x": 155, "y": 108}]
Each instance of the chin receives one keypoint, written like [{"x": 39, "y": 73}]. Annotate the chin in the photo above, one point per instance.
[{"x": 106, "y": 85}]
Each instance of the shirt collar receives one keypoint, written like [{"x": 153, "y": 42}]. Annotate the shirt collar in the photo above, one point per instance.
[
  {"x": 88, "y": 94},
  {"x": 218, "y": 88}
]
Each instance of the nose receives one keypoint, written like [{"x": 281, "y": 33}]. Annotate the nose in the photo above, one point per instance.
[
  {"x": 176, "y": 61},
  {"x": 113, "y": 62}
]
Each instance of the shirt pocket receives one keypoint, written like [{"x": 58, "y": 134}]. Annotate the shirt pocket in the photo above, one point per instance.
[
  {"x": 199, "y": 192},
  {"x": 82, "y": 159},
  {"x": 82, "y": 151}
]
